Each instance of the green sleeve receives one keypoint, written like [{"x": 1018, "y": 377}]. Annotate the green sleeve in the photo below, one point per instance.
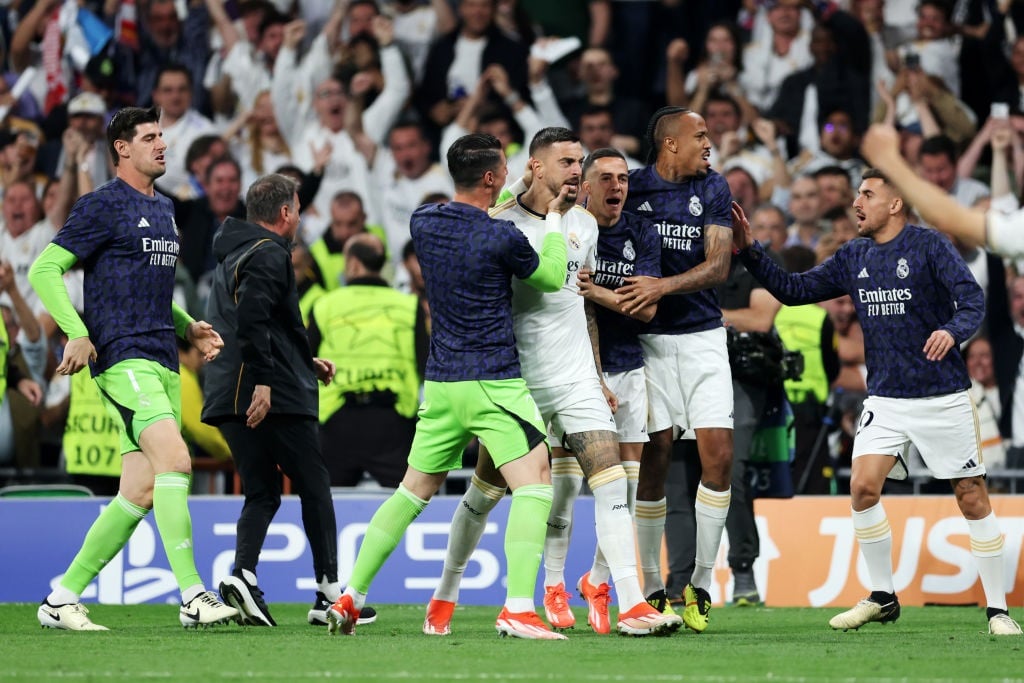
[
  {"x": 46, "y": 277},
  {"x": 516, "y": 188},
  {"x": 181, "y": 320},
  {"x": 550, "y": 273}
]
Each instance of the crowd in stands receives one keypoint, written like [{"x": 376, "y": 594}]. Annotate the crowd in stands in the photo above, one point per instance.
[{"x": 359, "y": 100}]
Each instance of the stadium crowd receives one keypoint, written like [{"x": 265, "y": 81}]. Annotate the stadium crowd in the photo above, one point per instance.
[{"x": 359, "y": 101}]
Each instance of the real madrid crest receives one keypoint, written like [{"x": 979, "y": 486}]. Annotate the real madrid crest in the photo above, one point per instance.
[
  {"x": 902, "y": 269},
  {"x": 628, "y": 252},
  {"x": 574, "y": 240},
  {"x": 695, "y": 207}
]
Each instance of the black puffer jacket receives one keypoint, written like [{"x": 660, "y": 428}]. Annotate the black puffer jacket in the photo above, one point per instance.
[{"x": 255, "y": 308}]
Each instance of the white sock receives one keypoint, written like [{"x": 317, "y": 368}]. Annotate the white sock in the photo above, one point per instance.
[
  {"x": 468, "y": 525},
  {"x": 599, "y": 571},
  {"x": 566, "y": 478},
  {"x": 632, "y": 468},
  {"x": 190, "y": 593},
  {"x": 330, "y": 589},
  {"x": 650, "y": 530},
  {"x": 872, "y": 529},
  {"x": 615, "y": 534},
  {"x": 987, "y": 548},
  {"x": 711, "y": 509},
  {"x": 358, "y": 599},
  {"x": 62, "y": 596}
]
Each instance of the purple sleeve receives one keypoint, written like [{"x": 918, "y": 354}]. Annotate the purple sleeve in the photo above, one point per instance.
[
  {"x": 719, "y": 202},
  {"x": 86, "y": 228},
  {"x": 518, "y": 255},
  {"x": 648, "y": 260}
]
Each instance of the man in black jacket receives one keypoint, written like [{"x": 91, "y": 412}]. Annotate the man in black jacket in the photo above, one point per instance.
[{"x": 266, "y": 357}]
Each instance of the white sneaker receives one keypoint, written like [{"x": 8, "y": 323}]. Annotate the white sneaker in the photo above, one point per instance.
[
  {"x": 866, "y": 611},
  {"x": 1000, "y": 625},
  {"x": 205, "y": 609},
  {"x": 71, "y": 617}
]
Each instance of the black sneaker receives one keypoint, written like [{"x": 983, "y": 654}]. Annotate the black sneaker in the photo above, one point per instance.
[
  {"x": 247, "y": 598},
  {"x": 317, "y": 615}
]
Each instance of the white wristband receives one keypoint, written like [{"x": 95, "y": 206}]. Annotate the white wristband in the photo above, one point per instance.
[{"x": 553, "y": 222}]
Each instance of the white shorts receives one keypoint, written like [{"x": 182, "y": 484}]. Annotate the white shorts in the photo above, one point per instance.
[
  {"x": 944, "y": 429},
  {"x": 573, "y": 408},
  {"x": 630, "y": 388},
  {"x": 689, "y": 383}
]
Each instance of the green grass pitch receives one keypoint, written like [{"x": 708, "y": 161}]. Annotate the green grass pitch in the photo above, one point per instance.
[{"x": 742, "y": 644}]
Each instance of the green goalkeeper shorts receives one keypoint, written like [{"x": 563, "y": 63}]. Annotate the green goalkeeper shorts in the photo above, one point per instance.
[
  {"x": 138, "y": 392},
  {"x": 501, "y": 413}
]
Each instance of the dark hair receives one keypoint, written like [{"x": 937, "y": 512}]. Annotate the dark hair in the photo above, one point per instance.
[
  {"x": 717, "y": 96},
  {"x": 798, "y": 258},
  {"x": 551, "y": 135},
  {"x": 271, "y": 18},
  {"x": 737, "y": 41},
  {"x": 942, "y": 5},
  {"x": 471, "y": 156},
  {"x": 832, "y": 170},
  {"x": 124, "y": 123},
  {"x": 834, "y": 214},
  {"x": 402, "y": 124},
  {"x": 939, "y": 144},
  {"x": 173, "y": 68},
  {"x": 220, "y": 161},
  {"x": 266, "y": 196},
  {"x": 596, "y": 110},
  {"x": 603, "y": 153},
  {"x": 200, "y": 147},
  {"x": 875, "y": 173},
  {"x": 750, "y": 176},
  {"x": 368, "y": 252},
  {"x": 348, "y": 197},
  {"x": 408, "y": 250},
  {"x": 656, "y": 129}
]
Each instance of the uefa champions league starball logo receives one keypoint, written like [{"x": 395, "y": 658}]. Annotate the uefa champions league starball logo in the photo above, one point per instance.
[
  {"x": 902, "y": 269},
  {"x": 627, "y": 251},
  {"x": 695, "y": 207}
]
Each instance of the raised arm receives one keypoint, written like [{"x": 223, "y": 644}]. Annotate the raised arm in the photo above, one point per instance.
[
  {"x": 222, "y": 22},
  {"x": 881, "y": 148}
]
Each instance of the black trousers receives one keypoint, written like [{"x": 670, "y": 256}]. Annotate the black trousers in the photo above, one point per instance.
[
  {"x": 681, "y": 494},
  {"x": 371, "y": 439},
  {"x": 293, "y": 444}
]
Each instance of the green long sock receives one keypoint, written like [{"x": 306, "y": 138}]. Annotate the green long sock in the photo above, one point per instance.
[
  {"x": 107, "y": 535},
  {"x": 524, "y": 537},
  {"x": 170, "y": 507},
  {"x": 386, "y": 528}
]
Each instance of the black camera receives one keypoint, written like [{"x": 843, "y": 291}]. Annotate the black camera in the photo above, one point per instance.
[
  {"x": 912, "y": 60},
  {"x": 792, "y": 365},
  {"x": 759, "y": 358}
]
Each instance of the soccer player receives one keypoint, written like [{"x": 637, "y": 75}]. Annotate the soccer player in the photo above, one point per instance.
[
  {"x": 627, "y": 245},
  {"x": 124, "y": 235},
  {"x": 916, "y": 301},
  {"x": 556, "y": 337},
  {"x": 689, "y": 383},
  {"x": 473, "y": 380},
  {"x": 1000, "y": 232}
]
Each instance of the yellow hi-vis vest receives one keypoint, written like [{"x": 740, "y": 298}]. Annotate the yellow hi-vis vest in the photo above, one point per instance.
[
  {"x": 307, "y": 300},
  {"x": 369, "y": 332},
  {"x": 332, "y": 266},
  {"x": 91, "y": 441},
  {"x": 800, "y": 330},
  {"x": 5, "y": 349}
]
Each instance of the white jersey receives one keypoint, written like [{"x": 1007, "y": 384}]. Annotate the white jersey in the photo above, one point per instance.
[
  {"x": 21, "y": 252},
  {"x": 551, "y": 329}
]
